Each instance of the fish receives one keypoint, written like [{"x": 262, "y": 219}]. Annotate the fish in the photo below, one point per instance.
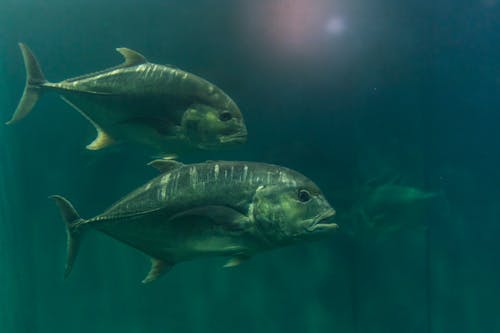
[
  {"x": 383, "y": 209},
  {"x": 231, "y": 209},
  {"x": 157, "y": 106},
  {"x": 395, "y": 195}
]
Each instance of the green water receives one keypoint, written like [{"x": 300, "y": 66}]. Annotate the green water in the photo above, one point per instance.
[{"x": 356, "y": 95}]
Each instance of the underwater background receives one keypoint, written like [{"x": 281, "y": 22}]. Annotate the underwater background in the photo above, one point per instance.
[{"x": 391, "y": 107}]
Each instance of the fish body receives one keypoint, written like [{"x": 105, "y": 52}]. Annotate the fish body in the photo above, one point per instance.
[
  {"x": 155, "y": 105},
  {"x": 233, "y": 209},
  {"x": 394, "y": 195},
  {"x": 388, "y": 208}
]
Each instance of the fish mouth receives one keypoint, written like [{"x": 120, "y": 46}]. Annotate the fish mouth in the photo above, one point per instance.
[
  {"x": 234, "y": 138},
  {"x": 224, "y": 142},
  {"x": 323, "y": 222}
]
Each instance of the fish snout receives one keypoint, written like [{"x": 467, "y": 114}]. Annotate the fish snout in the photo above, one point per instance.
[
  {"x": 236, "y": 138},
  {"x": 324, "y": 222}
]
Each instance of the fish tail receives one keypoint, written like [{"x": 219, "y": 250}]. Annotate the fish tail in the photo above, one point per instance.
[
  {"x": 73, "y": 223},
  {"x": 34, "y": 83}
]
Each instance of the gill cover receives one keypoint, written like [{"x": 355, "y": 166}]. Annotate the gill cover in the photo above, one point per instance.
[{"x": 287, "y": 213}]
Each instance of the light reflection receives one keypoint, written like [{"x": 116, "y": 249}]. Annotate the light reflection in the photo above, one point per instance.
[
  {"x": 294, "y": 29},
  {"x": 294, "y": 22},
  {"x": 335, "y": 26}
]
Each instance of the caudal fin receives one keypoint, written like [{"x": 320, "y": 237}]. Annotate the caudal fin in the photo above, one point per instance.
[
  {"x": 73, "y": 224},
  {"x": 34, "y": 82}
]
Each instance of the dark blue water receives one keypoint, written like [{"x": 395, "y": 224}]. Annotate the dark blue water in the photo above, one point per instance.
[{"x": 357, "y": 95}]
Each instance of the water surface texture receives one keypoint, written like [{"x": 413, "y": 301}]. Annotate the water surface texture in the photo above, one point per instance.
[{"x": 391, "y": 107}]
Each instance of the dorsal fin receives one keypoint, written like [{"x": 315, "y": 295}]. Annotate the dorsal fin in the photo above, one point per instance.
[
  {"x": 132, "y": 58},
  {"x": 165, "y": 165}
]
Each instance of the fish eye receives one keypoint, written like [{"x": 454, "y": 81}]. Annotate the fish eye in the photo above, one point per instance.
[
  {"x": 303, "y": 195},
  {"x": 225, "y": 116}
]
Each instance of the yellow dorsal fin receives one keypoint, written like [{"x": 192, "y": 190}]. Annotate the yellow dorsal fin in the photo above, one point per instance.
[{"x": 132, "y": 58}]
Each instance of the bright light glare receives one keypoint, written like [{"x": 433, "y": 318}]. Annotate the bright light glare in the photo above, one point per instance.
[
  {"x": 335, "y": 26},
  {"x": 293, "y": 29}
]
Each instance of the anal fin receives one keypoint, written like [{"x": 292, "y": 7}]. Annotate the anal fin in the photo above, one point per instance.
[
  {"x": 102, "y": 140},
  {"x": 235, "y": 261},
  {"x": 158, "y": 268}
]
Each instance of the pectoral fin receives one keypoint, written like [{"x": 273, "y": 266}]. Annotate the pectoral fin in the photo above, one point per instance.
[
  {"x": 158, "y": 268},
  {"x": 219, "y": 215},
  {"x": 161, "y": 126},
  {"x": 165, "y": 164}
]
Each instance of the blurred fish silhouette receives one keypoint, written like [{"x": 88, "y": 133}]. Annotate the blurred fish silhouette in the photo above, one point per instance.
[{"x": 381, "y": 209}]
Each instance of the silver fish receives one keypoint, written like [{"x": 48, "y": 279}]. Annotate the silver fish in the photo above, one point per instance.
[
  {"x": 154, "y": 105},
  {"x": 219, "y": 208}
]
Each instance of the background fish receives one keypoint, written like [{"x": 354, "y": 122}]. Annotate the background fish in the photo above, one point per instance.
[
  {"x": 233, "y": 209},
  {"x": 159, "y": 106},
  {"x": 381, "y": 209}
]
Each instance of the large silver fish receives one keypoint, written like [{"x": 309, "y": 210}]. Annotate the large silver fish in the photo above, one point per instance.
[
  {"x": 159, "y": 106},
  {"x": 219, "y": 208}
]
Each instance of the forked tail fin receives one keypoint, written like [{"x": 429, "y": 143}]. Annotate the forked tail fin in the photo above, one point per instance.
[
  {"x": 34, "y": 82},
  {"x": 73, "y": 223}
]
